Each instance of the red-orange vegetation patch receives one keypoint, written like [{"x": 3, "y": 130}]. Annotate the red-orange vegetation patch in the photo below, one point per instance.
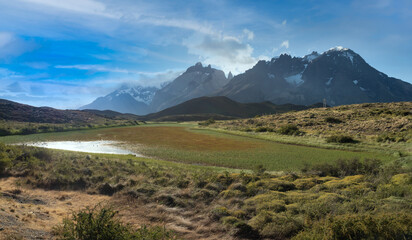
[{"x": 175, "y": 137}]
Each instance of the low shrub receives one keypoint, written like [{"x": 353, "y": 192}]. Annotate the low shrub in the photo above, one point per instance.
[
  {"x": 390, "y": 226},
  {"x": 207, "y": 122},
  {"x": 263, "y": 129},
  {"x": 340, "y": 139},
  {"x": 290, "y": 129},
  {"x": 219, "y": 212},
  {"x": 101, "y": 223},
  {"x": 346, "y": 167},
  {"x": 333, "y": 120}
]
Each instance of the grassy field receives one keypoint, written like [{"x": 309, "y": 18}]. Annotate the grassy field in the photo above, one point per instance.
[{"x": 184, "y": 143}]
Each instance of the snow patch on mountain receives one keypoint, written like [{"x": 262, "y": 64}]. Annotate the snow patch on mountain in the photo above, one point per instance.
[
  {"x": 329, "y": 81},
  {"x": 311, "y": 57},
  {"x": 338, "y": 48},
  {"x": 295, "y": 79},
  {"x": 140, "y": 94}
]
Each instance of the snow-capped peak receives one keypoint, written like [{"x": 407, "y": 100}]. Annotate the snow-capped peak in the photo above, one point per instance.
[
  {"x": 338, "y": 48},
  {"x": 341, "y": 51},
  {"x": 139, "y": 93},
  {"x": 311, "y": 57}
]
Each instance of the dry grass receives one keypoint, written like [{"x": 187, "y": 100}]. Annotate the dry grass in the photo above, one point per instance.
[{"x": 369, "y": 119}]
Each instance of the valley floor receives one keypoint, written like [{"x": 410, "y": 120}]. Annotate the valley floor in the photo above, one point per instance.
[{"x": 206, "y": 183}]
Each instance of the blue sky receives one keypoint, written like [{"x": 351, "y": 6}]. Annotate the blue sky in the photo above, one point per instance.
[{"x": 64, "y": 54}]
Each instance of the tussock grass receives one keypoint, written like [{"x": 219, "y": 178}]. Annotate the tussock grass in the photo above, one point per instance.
[{"x": 255, "y": 204}]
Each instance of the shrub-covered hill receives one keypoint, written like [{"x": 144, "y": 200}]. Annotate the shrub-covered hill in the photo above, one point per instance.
[
  {"x": 13, "y": 111},
  {"x": 16, "y": 118},
  {"x": 383, "y": 121}
]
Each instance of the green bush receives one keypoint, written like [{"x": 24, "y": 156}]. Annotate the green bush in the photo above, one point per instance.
[
  {"x": 207, "y": 122},
  {"x": 100, "y": 223},
  {"x": 333, "y": 120},
  {"x": 289, "y": 129},
  {"x": 346, "y": 167},
  {"x": 5, "y": 132},
  {"x": 361, "y": 226},
  {"x": 263, "y": 129},
  {"x": 340, "y": 139}
]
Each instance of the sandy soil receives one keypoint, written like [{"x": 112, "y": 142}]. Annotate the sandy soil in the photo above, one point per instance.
[
  {"x": 27, "y": 213},
  {"x": 32, "y": 213}
]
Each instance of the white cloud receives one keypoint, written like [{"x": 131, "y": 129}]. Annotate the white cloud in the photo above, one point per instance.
[
  {"x": 133, "y": 76},
  {"x": 249, "y": 34},
  {"x": 5, "y": 38},
  {"x": 177, "y": 23},
  {"x": 12, "y": 46},
  {"x": 226, "y": 52},
  {"x": 285, "y": 44},
  {"x": 157, "y": 78},
  {"x": 95, "y": 68},
  {"x": 37, "y": 65},
  {"x": 89, "y": 7}
]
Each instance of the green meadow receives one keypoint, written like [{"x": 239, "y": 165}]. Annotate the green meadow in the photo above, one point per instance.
[{"x": 201, "y": 146}]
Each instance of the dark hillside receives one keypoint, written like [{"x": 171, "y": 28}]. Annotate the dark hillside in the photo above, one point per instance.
[{"x": 223, "y": 106}]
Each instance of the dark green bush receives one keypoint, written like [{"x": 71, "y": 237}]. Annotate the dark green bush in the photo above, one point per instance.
[
  {"x": 289, "y": 129},
  {"x": 4, "y": 162},
  {"x": 346, "y": 167},
  {"x": 340, "y": 139},
  {"x": 5, "y": 132},
  {"x": 207, "y": 122},
  {"x": 101, "y": 223},
  {"x": 333, "y": 120},
  {"x": 263, "y": 129},
  {"x": 93, "y": 223}
]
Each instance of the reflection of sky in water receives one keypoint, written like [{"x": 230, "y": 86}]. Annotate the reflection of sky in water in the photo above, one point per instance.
[{"x": 85, "y": 146}]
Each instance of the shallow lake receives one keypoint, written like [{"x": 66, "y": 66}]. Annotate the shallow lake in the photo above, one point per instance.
[{"x": 109, "y": 147}]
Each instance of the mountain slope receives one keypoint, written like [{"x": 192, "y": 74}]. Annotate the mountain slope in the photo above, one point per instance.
[
  {"x": 133, "y": 100},
  {"x": 197, "y": 81},
  {"x": 12, "y": 111},
  {"x": 221, "y": 108},
  {"x": 339, "y": 75}
]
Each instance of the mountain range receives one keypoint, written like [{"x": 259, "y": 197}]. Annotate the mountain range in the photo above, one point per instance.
[{"x": 339, "y": 75}]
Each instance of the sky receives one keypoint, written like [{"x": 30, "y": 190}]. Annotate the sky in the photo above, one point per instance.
[{"x": 64, "y": 54}]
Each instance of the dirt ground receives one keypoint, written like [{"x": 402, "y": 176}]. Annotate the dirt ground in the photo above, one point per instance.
[
  {"x": 27, "y": 213},
  {"x": 32, "y": 213}
]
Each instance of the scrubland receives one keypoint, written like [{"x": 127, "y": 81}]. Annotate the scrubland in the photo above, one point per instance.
[{"x": 287, "y": 176}]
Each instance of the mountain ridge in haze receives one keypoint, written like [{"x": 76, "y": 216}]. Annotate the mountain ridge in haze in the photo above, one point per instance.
[{"x": 127, "y": 99}]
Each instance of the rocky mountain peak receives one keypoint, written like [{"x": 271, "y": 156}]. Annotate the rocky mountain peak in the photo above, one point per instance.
[
  {"x": 229, "y": 76},
  {"x": 198, "y": 67}
]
